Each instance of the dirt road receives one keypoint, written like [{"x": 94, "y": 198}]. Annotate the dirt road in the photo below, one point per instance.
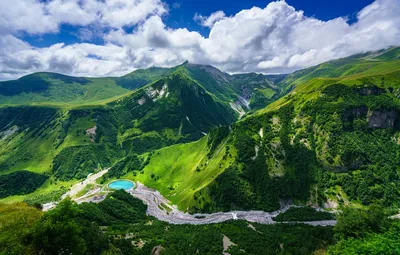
[{"x": 75, "y": 189}]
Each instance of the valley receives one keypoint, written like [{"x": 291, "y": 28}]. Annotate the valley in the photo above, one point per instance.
[
  {"x": 208, "y": 151},
  {"x": 160, "y": 207}
]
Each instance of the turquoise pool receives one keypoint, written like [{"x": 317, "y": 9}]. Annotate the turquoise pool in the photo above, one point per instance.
[{"x": 121, "y": 184}]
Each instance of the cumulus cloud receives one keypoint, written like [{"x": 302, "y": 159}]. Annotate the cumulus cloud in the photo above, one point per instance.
[
  {"x": 274, "y": 39},
  {"x": 210, "y": 20},
  {"x": 29, "y": 16},
  {"x": 82, "y": 59},
  {"x": 38, "y": 17}
]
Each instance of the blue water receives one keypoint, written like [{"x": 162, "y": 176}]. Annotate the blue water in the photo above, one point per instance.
[{"x": 121, "y": 184}]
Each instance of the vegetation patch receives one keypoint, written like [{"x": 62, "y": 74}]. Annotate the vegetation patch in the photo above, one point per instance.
[
  {"x": 76, "y": 229},
  {"x": 78, "y": 161},
  {"x": 303, "y": 214},
  {"x": 20, "y": 183}
]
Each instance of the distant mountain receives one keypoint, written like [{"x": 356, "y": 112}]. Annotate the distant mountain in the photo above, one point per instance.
[
  {"x": 67, "y": 91},
  {"x": 244, "y": 92},
  {"x": 141, "y": 77},
  {"x": 365, "y": 64}
]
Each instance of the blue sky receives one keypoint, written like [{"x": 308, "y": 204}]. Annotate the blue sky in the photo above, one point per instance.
[
  {"x": 181, "y": 14},
  {"x": 113, "y": 37},
  {"x": 321, "y": 9}
]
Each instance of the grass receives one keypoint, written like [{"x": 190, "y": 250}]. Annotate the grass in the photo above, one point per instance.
[
  {"x": 381, "y": 74},
  {"x": 267, "y": 92},
  {"x": 47, "y": 188},
  {"x": 172, "y": 170},
  {"x": 61, "y": 93},
  {"x": 16, "y": 221},
  {"x": 77, "y": 132},
  {"x": 36, "y": 155},
  {"x": 85, "y": 190}
]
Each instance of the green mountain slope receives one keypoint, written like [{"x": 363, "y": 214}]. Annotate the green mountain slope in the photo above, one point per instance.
[
  {"x": 371, "y": 63},
  {"x": 243, "y": 92},
  {"x": 71, "y": 143},
  {"x": 59, "y": 90},
  {"x": 62, "y": 90},
  {"x": 312, "y": 145},
  {"x": 141, "y": 77},
  {"x": 330, "y": 142}
]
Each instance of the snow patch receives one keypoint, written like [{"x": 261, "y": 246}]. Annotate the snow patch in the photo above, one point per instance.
[{"x": 163, "y": 90}]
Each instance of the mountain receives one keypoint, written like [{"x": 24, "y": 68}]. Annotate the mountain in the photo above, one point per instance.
[
  {"x": 67, "y": 91},
  {"x": 329, "y": 142},
  {"x": 366, "y": 64},
  {"x": 243, "y": 92},
  {"x": 327, "y": 137},
  {"x": 322, "y": 127},
  {"x": 65, "y": 127},
  {"x": 59, "y": 90}
]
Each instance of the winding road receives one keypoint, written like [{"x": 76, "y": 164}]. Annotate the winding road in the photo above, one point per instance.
[{"x": 160, "y": 207}]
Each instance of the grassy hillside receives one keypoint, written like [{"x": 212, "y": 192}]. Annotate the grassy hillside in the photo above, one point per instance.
[
  {"x": 371, "y": 63},
  {"x": 71, "y": 143},
  {"x": 59, "y": 90},
  {"x": 330, "y": 142},
  {"x": 16, "y": 222},
  {"x": 312, "y": 146},
  {"x": 67, "y": 91},
  {"x": 182, "y": 170}
]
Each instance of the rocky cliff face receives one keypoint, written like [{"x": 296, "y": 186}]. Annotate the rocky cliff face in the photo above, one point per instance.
[{"x": 382, "y": 119}]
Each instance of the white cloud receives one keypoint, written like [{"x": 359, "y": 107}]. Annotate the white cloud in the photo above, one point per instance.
[
  {"x": 28, "y": 15},
  {"x": 275, "y": 62},
  {"x": 210, "y": 20},
  {"x": 273, "y": 39},
  {"x": 39, "y": 17}
]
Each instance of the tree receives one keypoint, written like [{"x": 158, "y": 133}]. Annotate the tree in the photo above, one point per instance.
[
  {"x": 357, "y": 223},
  {"x": 58, "y": 232}
]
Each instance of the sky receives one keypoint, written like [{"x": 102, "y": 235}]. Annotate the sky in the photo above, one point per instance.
[{"x": 113, "y": 37}]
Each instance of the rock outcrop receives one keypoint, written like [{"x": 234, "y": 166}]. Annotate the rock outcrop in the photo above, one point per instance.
[{"x": 382, "y": 119}]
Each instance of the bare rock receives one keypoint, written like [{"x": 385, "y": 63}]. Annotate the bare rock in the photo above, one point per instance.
[
  {"x": 91, "y": 133},
  {"x": 157, "y": 250},
  {"x": 382, "y": 119}
]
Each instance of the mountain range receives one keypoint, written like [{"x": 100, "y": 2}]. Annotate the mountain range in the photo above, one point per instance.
[{"x": 209, "y": 141}]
